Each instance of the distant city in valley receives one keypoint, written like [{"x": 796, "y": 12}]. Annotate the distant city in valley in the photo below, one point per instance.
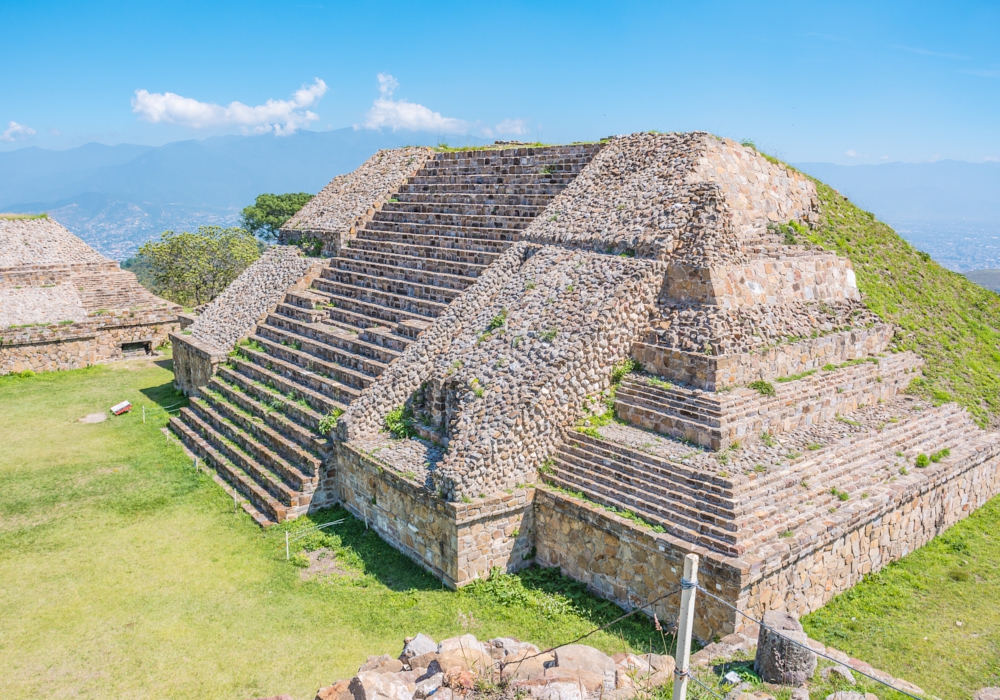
[{"x": 118, "y": 197}]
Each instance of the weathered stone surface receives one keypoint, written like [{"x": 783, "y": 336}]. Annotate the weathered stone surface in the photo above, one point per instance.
[
  {"x": 842, "y": 673},
  {"x": 846, "y": 695},
  {"x": 987, "y": 694},
  {"x": 341, "y": 690},
  {"x": 382, "y": 664},
  {"x": 579, "y": 657},
  {"x": 475, "y": 660},
  {"x": 372, "y": 685},
  {"x": 589, "y": 680},
  {"x": 779, "y": 659},
  {"x": 421, "y": 644},
  {"x": 428, "y": 686},
  {"x": 543, "y": 689}
]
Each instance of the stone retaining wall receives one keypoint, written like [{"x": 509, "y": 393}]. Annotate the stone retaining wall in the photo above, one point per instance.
[
  {"x": 457, "y": 542},
  {"x": 711, "y": 373},
  {"x": 343, "y": 207}
]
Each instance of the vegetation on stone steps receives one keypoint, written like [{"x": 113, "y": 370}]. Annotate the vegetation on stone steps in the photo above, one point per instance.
[
  {"x": 329, "y": 421},
  {"x": 761, "y": 387},
  {"x": 194, "y": 268},
  {"x": 399, "y": 422},
  {"x": 952, "y": 323},
  {"x": 269, "y": 213},
  {"x": 24, "y": 216}
]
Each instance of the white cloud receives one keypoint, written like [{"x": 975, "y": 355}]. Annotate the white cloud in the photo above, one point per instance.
[
  {"x": 409, "y": 116},
  {"x": 511, "y": 127},
  {"x": 992, "y": 159},
  {"x": 884, "y": 158},
  {"x": 16, "y": 132},
  {"x": 282, "y": 117},
  {"x": 54, "y": 131},
  {"x": 851, "y": 153}
]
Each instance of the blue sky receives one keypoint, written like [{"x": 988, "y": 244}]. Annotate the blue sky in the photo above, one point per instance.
[{"x": 842, "y": 82}]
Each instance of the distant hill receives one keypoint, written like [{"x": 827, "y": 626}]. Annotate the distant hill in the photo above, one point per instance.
[
  {"x": 117, "y": 197},
  {"x": 950, "y": 209},
  {"x": 986, "y": 278}
]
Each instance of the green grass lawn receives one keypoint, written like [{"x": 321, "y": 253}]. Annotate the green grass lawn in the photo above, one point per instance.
[
  {"x": 904, "y": 618},
  {"x": 123, "y": 574}
]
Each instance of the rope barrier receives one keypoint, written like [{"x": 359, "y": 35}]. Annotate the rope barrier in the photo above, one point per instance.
[{"x": 805, "y": 646}]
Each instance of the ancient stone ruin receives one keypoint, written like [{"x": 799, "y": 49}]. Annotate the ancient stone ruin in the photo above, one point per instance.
[
  {"x": 599, "y": 357},
  {"x": 65, "y": 306}
]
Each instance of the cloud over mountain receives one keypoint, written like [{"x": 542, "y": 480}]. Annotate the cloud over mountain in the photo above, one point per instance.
[{"x": 281, "y": 117}]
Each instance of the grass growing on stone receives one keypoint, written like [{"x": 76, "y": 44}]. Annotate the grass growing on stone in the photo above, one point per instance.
[
  {"x": 952, "y": 323},
  {"x": 125, "y": 574},
  {"x": 933, "y": 617}
]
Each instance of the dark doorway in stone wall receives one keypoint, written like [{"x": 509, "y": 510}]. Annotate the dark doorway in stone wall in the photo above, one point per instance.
[{"x": 141, "y": 347}]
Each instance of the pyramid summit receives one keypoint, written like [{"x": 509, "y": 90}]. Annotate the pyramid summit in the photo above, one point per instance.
[{"x": 599, "y": 357}]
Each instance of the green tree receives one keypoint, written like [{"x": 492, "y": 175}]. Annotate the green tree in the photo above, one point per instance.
[
  {"x": 193, "y": 268},
  {"x": 270, "y": 212}
]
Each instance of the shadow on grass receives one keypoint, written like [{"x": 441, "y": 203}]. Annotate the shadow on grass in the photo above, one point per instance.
[
  {"x": 165, "y": 396},
  {"x": 544, "y": 590}
]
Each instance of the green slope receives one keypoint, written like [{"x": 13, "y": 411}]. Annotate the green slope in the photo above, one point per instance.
[{"x": 952, "y": 323}]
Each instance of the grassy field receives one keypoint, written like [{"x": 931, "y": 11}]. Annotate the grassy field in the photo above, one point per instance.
[{"x": 125, "y": 575}]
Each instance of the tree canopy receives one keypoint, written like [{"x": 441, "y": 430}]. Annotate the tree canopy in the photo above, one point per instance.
[
  {"x": 193, "y": 268},
  {"x": 269, "y": 213}
]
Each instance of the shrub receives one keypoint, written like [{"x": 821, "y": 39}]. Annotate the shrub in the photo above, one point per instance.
[
  {"x": 622, "y": 368},
  {"x": 329, "y": 421},
  {"x": 922, "y": 461}
]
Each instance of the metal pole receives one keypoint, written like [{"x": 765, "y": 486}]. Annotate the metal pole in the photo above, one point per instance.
[
  {"x": 684, "y": 625},
  {"x": 287, "y": 557},
  {"x": 143, "y": 414}
]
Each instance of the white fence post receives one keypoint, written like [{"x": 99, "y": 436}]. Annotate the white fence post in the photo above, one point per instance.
[
  {"x": 287, "y": 555},
  {"x": 685, "y": 623}
]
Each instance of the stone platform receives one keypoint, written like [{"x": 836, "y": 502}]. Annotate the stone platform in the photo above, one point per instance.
[
  {"x": 64, "y": 306},
  {"x": 599, "y": 357}
]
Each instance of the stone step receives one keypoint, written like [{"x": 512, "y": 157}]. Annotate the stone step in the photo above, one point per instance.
[
  {"x": 475, "y": 257},
  {"x": 257, "y": 383},
  {"x": 336, "y": 336},
  {"x": 506, "y": 221},
  {"x": 456, "y": 268},
  {"x": 271, "y": 510},
  {"x": 492, "y": 216},
  {"x": 643, "y": 488},
  {"x": 385, "y": 230},
  {"x": 541, "y": 157},
  {"x": 521, "y": 151},
  {"x": 327, "y": 352},
  {"x": 378, "y": 305},
  {"x": 250, "y": 468},
  {"x": 526, "y": 189},
  {"x": 715, "y": 489},
  {"x": 386, "y": 337},
  {"x": 337, "y": 374},
  {"x": 440, "y": 237},
  {"x": 561, "y": 168},
  {"x": 299, "y": 314},
  {"x": 243, "y": 412},
  {"x": 534, "y": 179},
  {"x": 667, "y": 420},
  {"x": 486, "y": 202},
  {"x": 342, "y": 266},
  {"x": 392, "y": 285},
  {"x": 335, "y": 393},
  {"x": 625, "y": 462},
  {"x": 301, "y": 424},
  {"x": 270, "y": 466},
  {"x": 651, "y": 512}
]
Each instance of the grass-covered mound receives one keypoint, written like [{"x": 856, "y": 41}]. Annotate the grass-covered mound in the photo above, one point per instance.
[{"x": 952, "y": 323}]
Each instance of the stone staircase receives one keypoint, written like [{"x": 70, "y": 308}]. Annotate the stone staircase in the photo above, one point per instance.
[{"x": 257, "y": 422}]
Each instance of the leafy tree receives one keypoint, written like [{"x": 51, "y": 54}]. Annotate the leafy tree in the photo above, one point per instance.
[
  {"x": 193, "y": 268},
  {"x": 270, "y": 212}
]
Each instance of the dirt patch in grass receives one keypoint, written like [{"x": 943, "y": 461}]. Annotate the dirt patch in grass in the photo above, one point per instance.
[
  {"x": 94, "y": 418},
  {"x": 323, "y": 564}
]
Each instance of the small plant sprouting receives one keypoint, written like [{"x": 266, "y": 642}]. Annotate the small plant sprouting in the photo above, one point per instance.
[
  {"x": 759, "y": 468},
  {"x": 841, "y": 495},
  {"x": 938, "y": 456},
  {"x": 529, "y": 285},
  {"x": 767, "y": 438},
  {"x": 498, "y": 321},
  {"x": 399, "y": 422},
  {"x": 547, "y": 467},
  {"x": 549, "y": 335},
  {"x": 329, "y": 421},
  {"x": 922, "y": 461},
  {"x": 813, "y": 446},
  {"x": 476, "y": 388},
  {"x": 904, "y": 471},
  {"x": 761, "y": 387},
  {"x": 804, "y": 484},
  {"x": 622, "y": 368},
  {"x": 787, "y": 533}
]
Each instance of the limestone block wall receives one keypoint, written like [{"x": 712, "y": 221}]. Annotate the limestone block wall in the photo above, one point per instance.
[
  {"x": 195, "y": 362},
  {"x": 818, "y": 277},
  {"x": 457, "y": 542},
  {"x": 921, "y": 506},
  {"x": 99, "y": 340},
  {"x": 714, "y": 372},
  {"x": 349, "y": 201},
  {"x": 630, "y": 565}
]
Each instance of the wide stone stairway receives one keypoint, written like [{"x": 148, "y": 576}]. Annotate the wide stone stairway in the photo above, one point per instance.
[{"x": 258, "y": 421}]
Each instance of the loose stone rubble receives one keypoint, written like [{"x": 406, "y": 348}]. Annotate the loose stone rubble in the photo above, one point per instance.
[
  {"x": 464, "y": 668},
  {"x": 64, "y": 306},
  {"x": 599, "y": 357}
]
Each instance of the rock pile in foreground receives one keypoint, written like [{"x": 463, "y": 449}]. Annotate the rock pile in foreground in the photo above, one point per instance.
[{"x": 464, "y": 667}]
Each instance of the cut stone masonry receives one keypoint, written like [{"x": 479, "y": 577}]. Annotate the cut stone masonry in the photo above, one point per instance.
[{"x": 488, "y": 300}]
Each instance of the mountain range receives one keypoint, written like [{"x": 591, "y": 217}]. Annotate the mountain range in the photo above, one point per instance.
[{"x": 117, "y": 197}]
